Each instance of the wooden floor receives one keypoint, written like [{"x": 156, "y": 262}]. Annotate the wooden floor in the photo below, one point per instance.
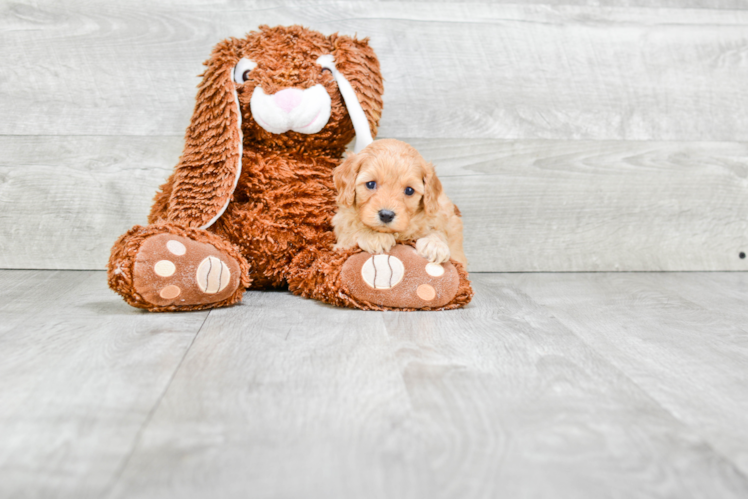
[{"x": 567, "y": 384}]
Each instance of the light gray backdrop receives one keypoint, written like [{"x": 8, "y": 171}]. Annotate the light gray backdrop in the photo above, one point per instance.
[{"x": 573, "y": 135}]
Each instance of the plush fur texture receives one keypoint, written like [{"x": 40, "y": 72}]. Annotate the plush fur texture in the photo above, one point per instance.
[
  {"x": 389, "y": 193},
  {"x": 277, "y": 224}
]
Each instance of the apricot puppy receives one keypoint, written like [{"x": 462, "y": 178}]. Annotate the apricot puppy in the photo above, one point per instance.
[{"x": 389, "y": 193}]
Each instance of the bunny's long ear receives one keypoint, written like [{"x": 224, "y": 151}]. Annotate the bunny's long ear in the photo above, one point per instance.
[
  {"x": 211, "y": 163},
  {"x": 356, "y": 69}
]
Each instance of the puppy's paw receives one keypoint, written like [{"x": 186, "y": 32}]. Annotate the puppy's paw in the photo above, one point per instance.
[
  {"x": 433, "y": 248},
  {"x": 376, "y": 242}
]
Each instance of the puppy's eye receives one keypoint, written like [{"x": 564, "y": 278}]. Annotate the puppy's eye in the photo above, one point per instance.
[
  {"x": 371, "y": 184},
  {"x": 328, "y": 70},
  {"x": 409, "y": 191},
  {"x": 245, "y": 76}
]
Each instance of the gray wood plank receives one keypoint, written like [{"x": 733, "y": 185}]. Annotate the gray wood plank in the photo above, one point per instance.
[
  {"x": 286, "y": 397},
  {"x": 527, "y": 205},
  {"x": 598, "y": 206},
  {"x": 482, "y": 69},
  {"x": 693, "y": 360},
  {"x": 80, "y": 372},
  {"x": 724, "y": 294},
  {"x": 281, "y": 387},
  {"x": 653, "y": 4},
  {"x": 64, "y": 200}
]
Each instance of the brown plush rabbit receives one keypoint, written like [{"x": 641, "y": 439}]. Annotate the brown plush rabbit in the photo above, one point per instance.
[{"x": 251, "y": 201}]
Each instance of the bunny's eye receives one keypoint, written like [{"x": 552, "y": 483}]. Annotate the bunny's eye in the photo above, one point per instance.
[
  {"x": 242, "y": 70},
  {"x": 409, "y": 191},
  {"x": 371, "y": 184}
]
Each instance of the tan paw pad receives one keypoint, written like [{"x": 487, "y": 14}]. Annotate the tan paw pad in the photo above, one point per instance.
[
  {"x": 164, "y": 268},
  {"x": 170, "y": 292},
  {"x": 176, "y": 247},
  {"x": 212, "y": 275},
  {"x": 382, "y": 272},
  {"x": 434, "y": 270},
  {"x": 426, "y": 292}
]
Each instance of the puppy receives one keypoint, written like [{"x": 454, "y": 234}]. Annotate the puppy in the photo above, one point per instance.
[{"x": 389, "y": 193}]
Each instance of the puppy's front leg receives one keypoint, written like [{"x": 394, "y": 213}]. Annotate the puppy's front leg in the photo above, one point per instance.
[
  {"x": 375, "y": 242},
  {"x": 433, "y": 247}
]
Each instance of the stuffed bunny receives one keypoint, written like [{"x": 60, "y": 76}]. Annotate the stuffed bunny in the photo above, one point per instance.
[{"x": 250, "y": 203}]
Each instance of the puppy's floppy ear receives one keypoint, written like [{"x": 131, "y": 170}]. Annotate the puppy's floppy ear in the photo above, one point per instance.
[
  {"x": 211, "y": 163},
  {"x": 358, "y": 63},
  {"x": 432, "y": 188},
  {"x": 344, "y": 177}
]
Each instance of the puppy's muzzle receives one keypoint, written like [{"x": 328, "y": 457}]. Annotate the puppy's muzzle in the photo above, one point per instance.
[{"x": 386, "y": 216}]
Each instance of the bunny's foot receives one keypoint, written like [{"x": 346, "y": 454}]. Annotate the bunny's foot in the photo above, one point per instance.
[
  {"x": 401, "y": 279},
  {"x": 165, "y": 267}
]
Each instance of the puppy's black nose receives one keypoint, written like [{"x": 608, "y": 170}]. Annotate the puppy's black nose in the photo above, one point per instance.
[{"x": 386, "y": 216}]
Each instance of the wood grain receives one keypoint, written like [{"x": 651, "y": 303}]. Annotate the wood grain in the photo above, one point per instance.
[
  {"x": 564, "y": 385},
  {"x": 282, "y": 389},
  {"x": 64, "y": 200},
  {"x": 723, "y": 294},
  {"x": 690, "y": 358},
  {"x": 492, "y": 70},
  {"x": 598, "y": 206},
  {"x": 653, "y": 4},
  {"x": 80, "y": 372},
  {"x": 285, "y": 397},
  {"x": 527, "y": 205}
]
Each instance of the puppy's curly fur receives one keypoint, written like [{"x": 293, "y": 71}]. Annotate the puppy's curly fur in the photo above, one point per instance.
[{"x": 389, "y": 193}]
